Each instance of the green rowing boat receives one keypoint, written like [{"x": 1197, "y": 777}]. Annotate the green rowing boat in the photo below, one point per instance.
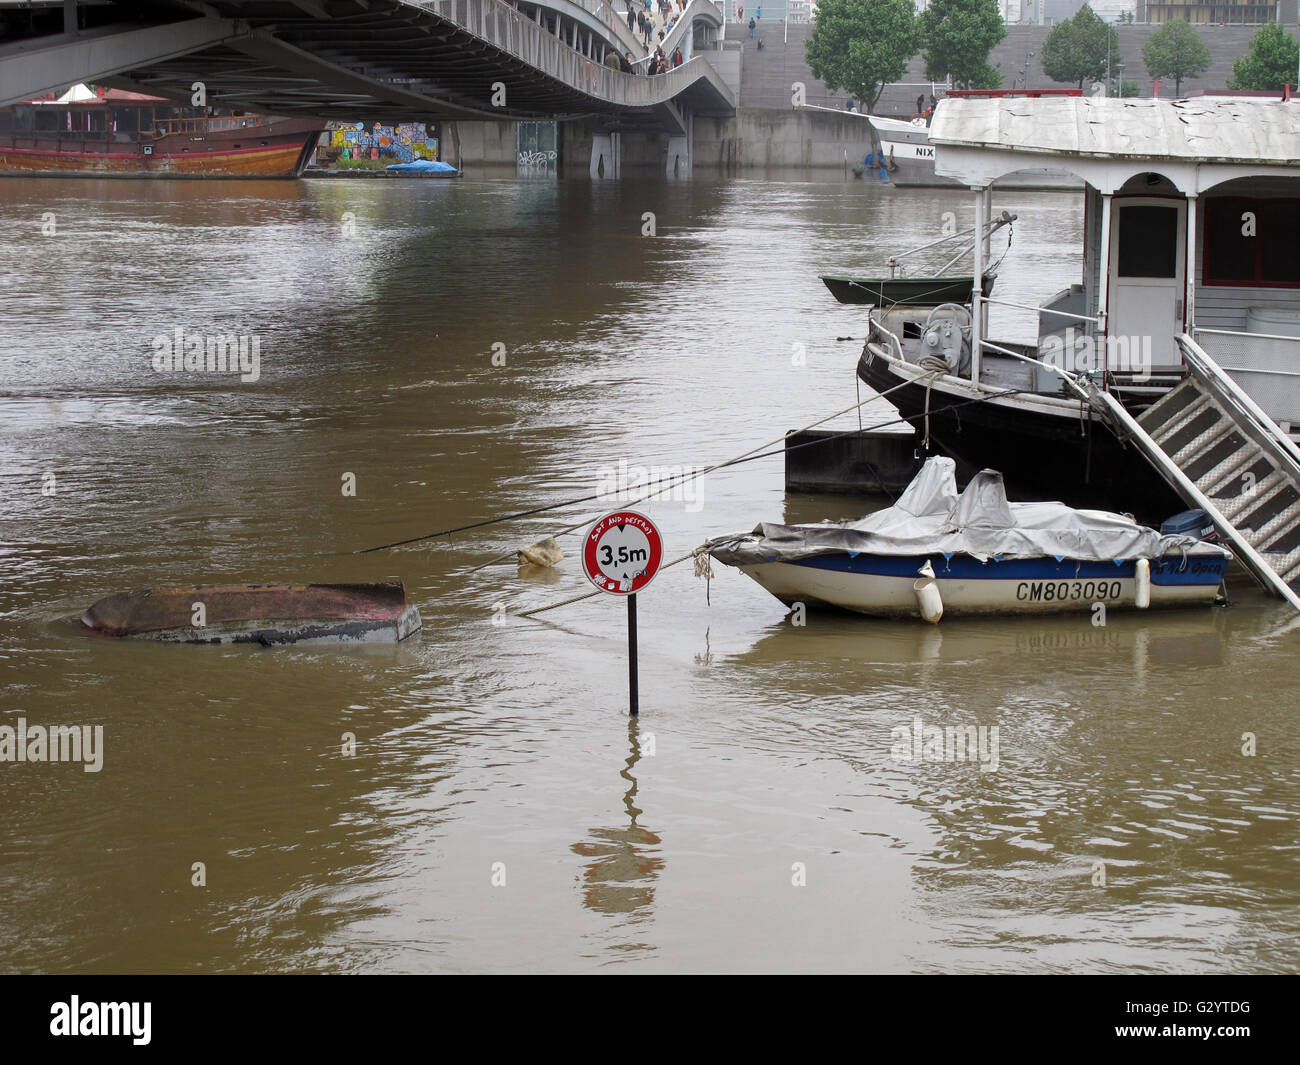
[{"x": 911, "y": 291}]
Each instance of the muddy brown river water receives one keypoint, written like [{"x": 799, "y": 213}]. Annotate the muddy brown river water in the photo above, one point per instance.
[{"x": 501, "y": 812}]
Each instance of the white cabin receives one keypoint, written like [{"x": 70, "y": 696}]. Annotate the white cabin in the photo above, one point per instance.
[{"x": 1193, "y": 207}]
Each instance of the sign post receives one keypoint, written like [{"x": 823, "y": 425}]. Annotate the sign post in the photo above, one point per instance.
[{"x": 621, "y": 555}]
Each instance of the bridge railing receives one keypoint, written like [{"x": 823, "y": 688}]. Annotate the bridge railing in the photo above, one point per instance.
[
  {"x": 509, "y": 30},
  {"x": 696, "y": 9},
  {"x": 629, "y": 41}
]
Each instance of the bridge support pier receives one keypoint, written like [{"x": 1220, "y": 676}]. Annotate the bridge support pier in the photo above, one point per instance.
[
  {"x": 606, "y": 155},
  {"x": 679, "y": 152}
]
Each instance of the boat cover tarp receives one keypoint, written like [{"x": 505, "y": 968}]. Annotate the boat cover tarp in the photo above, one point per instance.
[
  {"x": 422, "y": 166},
  {"x": 930, "y": 518}
]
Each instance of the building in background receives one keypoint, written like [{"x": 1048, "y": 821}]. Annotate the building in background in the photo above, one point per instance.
[
  {"x": 1216, "y": 12},
  {"x": 1114, "y": 10}
]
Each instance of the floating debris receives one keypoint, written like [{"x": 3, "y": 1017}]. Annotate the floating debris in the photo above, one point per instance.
[
  {"x": 259, "y": 613},
  {"x": 544, "y": 553}
]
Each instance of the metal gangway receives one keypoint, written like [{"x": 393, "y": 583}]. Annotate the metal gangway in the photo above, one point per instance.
[{"x": 1218, "y": 449}]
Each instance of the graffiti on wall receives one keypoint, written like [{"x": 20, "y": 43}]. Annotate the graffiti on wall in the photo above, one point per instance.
[{"x": 405, "y": 142}]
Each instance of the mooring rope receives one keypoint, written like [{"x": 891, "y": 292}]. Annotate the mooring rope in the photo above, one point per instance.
[
  {"x": 594, "y": 591},
  {"x": 749, "y": 456},
  {"x": 742, "y": 457},
  {"x": 937, "y": 366},
  {"x": 703, "y": 567}
]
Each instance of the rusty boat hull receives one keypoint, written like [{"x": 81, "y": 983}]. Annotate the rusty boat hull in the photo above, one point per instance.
[
  {"x": 263, "y": 148},
  {"x": 266, "y": 614}
]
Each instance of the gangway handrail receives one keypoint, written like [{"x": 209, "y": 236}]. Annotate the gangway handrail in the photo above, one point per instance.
[{"x": 1211, "y": 374}]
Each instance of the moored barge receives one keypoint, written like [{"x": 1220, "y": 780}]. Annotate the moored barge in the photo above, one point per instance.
[{"x": 115, "y": 133}]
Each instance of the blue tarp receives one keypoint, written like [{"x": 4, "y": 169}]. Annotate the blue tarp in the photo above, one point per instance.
[{"x": 423, "y": 166}]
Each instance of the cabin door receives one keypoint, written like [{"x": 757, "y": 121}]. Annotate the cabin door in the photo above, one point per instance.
[{"x": 1147, "y": 253}]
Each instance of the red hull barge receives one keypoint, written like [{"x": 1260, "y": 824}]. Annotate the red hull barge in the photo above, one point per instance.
[{"x": 124, "y": 134}]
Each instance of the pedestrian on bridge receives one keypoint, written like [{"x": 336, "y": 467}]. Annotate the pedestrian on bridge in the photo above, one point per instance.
[
  {"x": 631, "y": 18},
  {"x": 752, "y": 24}
]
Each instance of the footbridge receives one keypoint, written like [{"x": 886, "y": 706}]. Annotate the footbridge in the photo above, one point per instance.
[{"x": 351, "y": 60}]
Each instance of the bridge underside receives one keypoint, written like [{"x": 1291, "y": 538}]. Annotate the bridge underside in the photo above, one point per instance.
[{"x": 354, "y": 60}]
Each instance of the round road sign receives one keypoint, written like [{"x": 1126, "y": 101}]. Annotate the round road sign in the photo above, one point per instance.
[{"x": 622, "y": 552}]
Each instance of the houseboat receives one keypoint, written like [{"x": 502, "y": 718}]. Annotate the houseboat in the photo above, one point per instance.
[
  {"x": 114, "y": 133},
  {"x": 1191, "y": 208}
]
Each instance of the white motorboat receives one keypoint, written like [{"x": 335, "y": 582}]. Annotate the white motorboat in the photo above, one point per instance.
[{"x": 938, "y": 553}]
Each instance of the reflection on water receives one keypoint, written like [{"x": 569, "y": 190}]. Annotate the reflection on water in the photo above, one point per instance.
[
  {"x": 487, "y": 746},
  {"x": 624, "y": 863}
]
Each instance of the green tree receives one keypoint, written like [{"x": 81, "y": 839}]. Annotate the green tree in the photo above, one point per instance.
[
  {"x": 1175, "y": 51},
  {"x": 862, "y": 45},
  {"x": 1076, "y": 49},
  {"x": 958, "y": 37},
  {"x": 1128, "y": 87},
  {"x": 1271, "y": 62}
]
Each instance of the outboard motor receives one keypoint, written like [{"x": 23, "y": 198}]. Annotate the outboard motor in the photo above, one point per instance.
[{"x": 1191, "y": 523}]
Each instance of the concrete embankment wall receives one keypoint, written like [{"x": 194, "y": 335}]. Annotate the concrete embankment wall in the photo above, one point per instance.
[
  {"x": 755, "y": 139},
  {"x": 759, "y": 138}
]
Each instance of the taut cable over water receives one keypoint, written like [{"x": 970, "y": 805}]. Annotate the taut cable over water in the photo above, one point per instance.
[
  {"x": 745, "y": 456},
  {"x": 748, "y": 456}
]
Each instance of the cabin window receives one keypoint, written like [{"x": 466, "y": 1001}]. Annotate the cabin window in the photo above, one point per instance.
[
  {"x": 1251, "y": 242},
  {"x": 1148, "y": 241},
  {"x": 126, "y": 119},
  {"x": 48, "y": 120}
]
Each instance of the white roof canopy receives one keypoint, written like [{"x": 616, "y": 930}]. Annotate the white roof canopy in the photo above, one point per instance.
[{"x": 1196, "y": 143}]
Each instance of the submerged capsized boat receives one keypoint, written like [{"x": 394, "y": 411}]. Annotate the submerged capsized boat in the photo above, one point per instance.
[
  {"x": 937, "y": 552},
  {"x": 259, "y": 613}
]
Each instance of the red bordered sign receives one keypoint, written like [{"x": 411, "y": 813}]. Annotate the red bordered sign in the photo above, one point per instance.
[{"x": 622, "y": 552}]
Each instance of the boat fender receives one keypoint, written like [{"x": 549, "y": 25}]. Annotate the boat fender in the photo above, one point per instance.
[
  {"x": 1142, "y": 571},
  {"x": 928, "y": 599}
]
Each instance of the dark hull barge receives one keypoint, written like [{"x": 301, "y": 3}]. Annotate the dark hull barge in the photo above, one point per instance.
[{"x": 266, "y": 614}]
